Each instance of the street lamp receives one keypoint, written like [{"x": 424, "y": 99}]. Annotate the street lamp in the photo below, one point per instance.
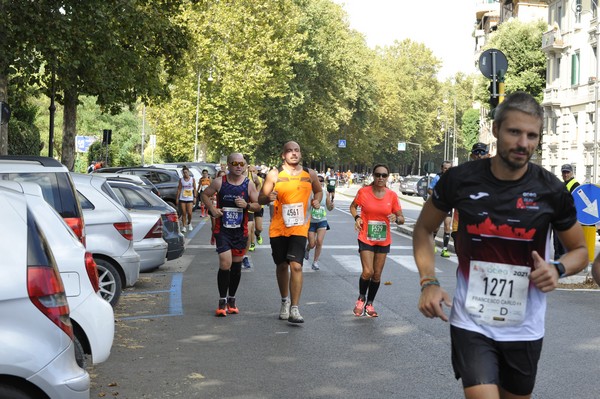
[{"x": 210, "y": 79}]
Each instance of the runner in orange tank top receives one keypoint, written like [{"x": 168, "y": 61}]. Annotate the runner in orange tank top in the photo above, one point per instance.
[{"x": 290, "y": 187}]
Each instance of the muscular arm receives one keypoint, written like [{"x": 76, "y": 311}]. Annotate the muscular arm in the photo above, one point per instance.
[
  {"x": 545, "y": 276},
  {"x": 266, "y": 193},
  {"x": 432, "y": 296}
]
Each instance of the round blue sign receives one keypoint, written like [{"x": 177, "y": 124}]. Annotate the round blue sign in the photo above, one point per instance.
[{"x": 586, "y": 199}]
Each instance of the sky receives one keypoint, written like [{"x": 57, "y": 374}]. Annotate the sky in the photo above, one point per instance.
[{"x": 444, "y": 26}]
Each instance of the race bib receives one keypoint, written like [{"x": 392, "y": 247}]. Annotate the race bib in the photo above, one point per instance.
[
  {"x": 331, "y": 183},
  {"x": 497, "y": 293},
  {"x": 203, "y": 188},
  {"x": 376, "y": 230},
  {"x": 232, "y": 217},
  {"x": 293, "y": 214},
  {"x": 188, "y": 193},
  {"x": 317, "y": 214}
]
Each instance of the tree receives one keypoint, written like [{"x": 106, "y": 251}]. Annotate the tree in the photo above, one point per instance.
[
  {"x": 116, "y": 53},
  {"x": 521, "y": 42}
]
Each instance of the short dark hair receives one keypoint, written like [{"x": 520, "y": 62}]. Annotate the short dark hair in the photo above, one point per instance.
[{"x": 519, "y": 101}]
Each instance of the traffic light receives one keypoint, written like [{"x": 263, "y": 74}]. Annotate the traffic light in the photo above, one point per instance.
[
  {"x": 106, "y": 136},
  {"x": 494, "y": 99}
]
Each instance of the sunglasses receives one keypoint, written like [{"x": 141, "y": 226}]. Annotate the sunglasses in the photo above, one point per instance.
[
  {"x": 379, "y": 175},
  {"x": 237, "y": 163},
  {"x": 479, "y": 152}
]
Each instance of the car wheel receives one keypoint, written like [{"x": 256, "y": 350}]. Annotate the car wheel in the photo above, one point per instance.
[
  {"x": 110, "y": 281},
  {"x": 80, "y": 354},
  {"x": 8, "y": 391}
]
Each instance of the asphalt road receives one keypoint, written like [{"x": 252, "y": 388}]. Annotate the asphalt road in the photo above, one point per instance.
[{"x": 168, "y": 343}]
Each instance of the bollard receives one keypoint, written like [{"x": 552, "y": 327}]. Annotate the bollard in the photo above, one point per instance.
[{"x": 589, "y": 233}]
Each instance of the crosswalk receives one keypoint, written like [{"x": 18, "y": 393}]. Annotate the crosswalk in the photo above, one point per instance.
[{"x": 352, "y": 262}]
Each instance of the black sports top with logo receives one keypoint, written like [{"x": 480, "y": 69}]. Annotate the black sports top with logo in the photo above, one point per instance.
[{"x": 500, "y": 224}]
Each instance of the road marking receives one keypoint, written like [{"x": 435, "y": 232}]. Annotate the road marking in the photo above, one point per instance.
[
  {"x": 408, "y": 262},
  {"x": 349, "y": 262},
  {"x": 175, "y": 303}
]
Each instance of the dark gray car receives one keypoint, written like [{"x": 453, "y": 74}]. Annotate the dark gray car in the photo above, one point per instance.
[
  {"x": 165, "y": 180},
  {"x": 133, "y": 196}
]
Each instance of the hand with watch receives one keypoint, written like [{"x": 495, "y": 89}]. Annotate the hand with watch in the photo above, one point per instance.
[{"x": 560, "y": 268}]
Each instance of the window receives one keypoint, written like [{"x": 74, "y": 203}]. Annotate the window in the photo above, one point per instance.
[
  {"x": 578, "y": 11},
  {"x": 575, "y": 69}
]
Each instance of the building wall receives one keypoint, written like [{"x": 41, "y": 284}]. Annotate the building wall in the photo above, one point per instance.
[{"x": 570, "y": 94}]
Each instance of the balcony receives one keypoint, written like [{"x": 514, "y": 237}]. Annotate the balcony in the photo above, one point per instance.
[{"x": 552, "y": 42}]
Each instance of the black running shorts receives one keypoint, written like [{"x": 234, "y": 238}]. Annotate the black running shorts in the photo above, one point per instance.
[
  {"x": 378, "y": 249},
  {"x": 511, "y": 365},
  {"x": 285, "y": 249}
]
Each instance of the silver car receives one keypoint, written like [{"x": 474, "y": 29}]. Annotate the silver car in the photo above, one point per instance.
[
  {"x": 38, "y": 356},
  {"x": 109, "y": 235},
  {"x": 92, "y": 317},
  {"x": 133, "y": 196},
  {"x": 146, "y": 226}
]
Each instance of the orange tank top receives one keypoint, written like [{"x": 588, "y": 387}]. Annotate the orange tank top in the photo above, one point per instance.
[{"x": 291, "y": 215}]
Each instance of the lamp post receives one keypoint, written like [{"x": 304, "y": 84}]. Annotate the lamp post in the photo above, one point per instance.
[{"x": 143, "y": 131}]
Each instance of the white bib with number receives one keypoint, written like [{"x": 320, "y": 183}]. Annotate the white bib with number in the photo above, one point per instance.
[
  {"x": 232, "y": 217},
  {"x": 293, "y": 214},
  {"x": 497, "y": 293}
]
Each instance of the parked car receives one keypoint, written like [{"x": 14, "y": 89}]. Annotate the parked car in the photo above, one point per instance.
[
  {"x": 38, "y": 355},
  {"x": 109, "y": 235},
  {"x": 135, "y": 197},
  {"x": 141, "y": 181},
  {"x": 55, "y": 181},
  {"x": 165, "y": 180},
  {"x": 409, "y": 185},
  {"x": 92, "y": 317},
  {"x": 146, "y": 226},
  {"x": 212, "y": 168}
]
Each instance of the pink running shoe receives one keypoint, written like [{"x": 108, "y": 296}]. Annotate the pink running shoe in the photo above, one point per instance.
[
  {"x": 370, "y": 310},
  {"x": 359, "y": 308}
]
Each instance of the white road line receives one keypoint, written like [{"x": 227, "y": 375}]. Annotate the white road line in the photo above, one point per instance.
[
  {"x": 349, "y": 262},
  {"x": 408, "y": 262}
]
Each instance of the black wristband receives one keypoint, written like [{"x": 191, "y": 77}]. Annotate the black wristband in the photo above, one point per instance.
[{"x": 356, "y": 217}]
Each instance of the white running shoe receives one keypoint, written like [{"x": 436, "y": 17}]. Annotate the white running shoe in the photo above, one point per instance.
[
  {"x": 315, "y": 266},
  {"x": 183, "y": 230},
  {"x": 284, "y": 312},
  {"x": 190, "y": 228},
  {"x": 295, "y": 315}
]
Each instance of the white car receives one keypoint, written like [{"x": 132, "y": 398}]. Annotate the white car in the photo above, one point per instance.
[
  {"x": 109, "y": 235},
  {"x": 36, "y": 339},
  {"x": 92, "y": 317}
]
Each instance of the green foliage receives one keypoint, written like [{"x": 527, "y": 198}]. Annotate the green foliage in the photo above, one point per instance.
[
  {"x": 23, "y": 138},
  {"x": 470, "y": 127},
  {"x": 521, "y": 42}
]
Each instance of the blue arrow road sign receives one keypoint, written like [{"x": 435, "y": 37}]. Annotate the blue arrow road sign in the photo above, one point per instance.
[
  {"x": 586, "y": 199},
  {"x": 342, "y": 143}
]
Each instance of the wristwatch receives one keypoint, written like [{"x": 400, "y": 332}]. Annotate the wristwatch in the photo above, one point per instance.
[{"x": 560, "y": 268}]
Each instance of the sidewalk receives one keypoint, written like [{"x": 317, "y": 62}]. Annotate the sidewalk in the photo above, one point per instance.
[{"x": 407, "y": 229}]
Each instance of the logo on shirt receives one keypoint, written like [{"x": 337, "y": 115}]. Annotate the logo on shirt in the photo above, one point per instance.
[
  {"x": 527, "y": 201},
  {"x": 479, "y": 195}
]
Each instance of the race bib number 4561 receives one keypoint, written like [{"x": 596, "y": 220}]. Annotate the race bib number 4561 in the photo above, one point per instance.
[
  {"x": 293, "y": 214},
  {"x": 497, "y": 293}
]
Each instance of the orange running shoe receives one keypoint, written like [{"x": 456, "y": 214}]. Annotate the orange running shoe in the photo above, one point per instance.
[
  {"x": 231, "y": 308},
  {"x": 370, "y": 310},
  {"x": 359, "y": 308},
  {"x": 222, "y": 309}
]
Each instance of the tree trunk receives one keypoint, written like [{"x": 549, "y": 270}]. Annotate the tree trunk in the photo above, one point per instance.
[
  {"x": 4, "y": 125},
  {"x": 69, "y": 129}
]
